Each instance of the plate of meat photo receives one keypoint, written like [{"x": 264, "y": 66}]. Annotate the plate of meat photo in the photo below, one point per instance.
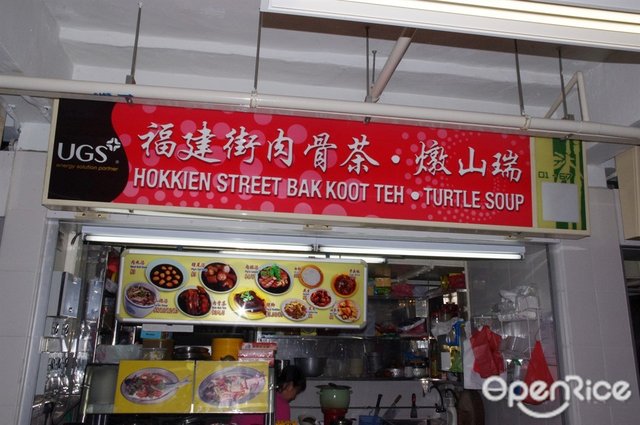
[
  {"x": 194, "y": 302},
  {"x": 231, "y": 386},
  {"x": 218, "y": 277},
  {"x": 295, "y": 309},
  {"x": 149, "y": 386},
  {"x": 347, "y": 311},
  {"x": 273, "y": 279},
  {"x": 320, "y": 298},
  {"x": 248, "y": 304}
]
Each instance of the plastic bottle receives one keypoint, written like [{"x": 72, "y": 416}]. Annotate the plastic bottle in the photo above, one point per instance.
[
  {"x": 434, "y": 358},
  {"x": 450, "y": 406}
]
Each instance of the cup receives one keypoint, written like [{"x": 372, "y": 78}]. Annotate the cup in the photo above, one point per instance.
[{"x": 356, "y": 367}]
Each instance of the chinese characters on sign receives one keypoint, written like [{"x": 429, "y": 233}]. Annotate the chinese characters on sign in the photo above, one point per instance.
[
  {"x": 432, "y": 159},
  {"x": 240, "y": 145}
]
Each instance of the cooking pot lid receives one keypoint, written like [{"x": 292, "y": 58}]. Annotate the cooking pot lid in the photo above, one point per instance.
[{"x": 332, "y": 386}]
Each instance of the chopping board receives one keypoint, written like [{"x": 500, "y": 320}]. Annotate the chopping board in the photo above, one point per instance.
[{"x": 470, "y": 408}]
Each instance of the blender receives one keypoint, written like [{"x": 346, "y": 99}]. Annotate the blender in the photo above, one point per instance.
[{"x": 334, "y": 402}]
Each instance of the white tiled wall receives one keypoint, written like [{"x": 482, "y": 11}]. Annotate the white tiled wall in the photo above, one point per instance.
[
  {"x": 595, "y": 334},
  {"x": 20, "y": 258}
]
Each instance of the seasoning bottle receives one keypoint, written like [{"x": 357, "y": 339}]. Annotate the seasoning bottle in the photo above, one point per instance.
[
  {"x": 445, "y": 354},
  {"x": 434, "y": 358}
]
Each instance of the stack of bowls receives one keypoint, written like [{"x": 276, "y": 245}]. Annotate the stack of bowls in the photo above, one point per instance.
[{"x": 191, "y": 353}]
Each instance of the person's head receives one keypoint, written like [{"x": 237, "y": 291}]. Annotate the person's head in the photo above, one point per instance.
[{"x": 291, "y": 382}]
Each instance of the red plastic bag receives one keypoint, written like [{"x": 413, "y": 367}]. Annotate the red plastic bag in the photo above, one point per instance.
[
  {"x": 538, "y": 370},
  {"x": 486, "y": 349}
]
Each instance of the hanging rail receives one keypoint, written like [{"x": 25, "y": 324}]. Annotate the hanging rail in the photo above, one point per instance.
[{"x": 545, "y": 127}]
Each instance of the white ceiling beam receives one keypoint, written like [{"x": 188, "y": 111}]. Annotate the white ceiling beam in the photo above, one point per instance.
[{"x": 516, "y": 124}]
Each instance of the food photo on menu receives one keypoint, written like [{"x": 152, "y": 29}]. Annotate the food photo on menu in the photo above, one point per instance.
[
  {"x": 274, "y": 279},
  {"x": 224, "y": 387},
  {"x": 248, "y": 304},
  {"x": 158, "y": 386}
]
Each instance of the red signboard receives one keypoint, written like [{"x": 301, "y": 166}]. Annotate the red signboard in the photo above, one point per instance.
[{"x": 160, "y": 156}]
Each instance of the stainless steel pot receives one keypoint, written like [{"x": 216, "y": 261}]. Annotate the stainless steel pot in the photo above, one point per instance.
[{"x": 311, "y": 366}]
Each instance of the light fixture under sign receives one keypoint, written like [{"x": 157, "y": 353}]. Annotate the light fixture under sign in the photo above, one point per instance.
[
  {"x": 527, "y": 20},
  {"x": 369, "y": 250},
  {"x": 195, "y": 239},
  {"x": 436, "y": 250}
]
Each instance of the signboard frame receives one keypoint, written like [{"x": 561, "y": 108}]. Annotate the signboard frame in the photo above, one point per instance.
[
  {"x": 467, "y": 206},
  {"x": 138, "y": 265}
]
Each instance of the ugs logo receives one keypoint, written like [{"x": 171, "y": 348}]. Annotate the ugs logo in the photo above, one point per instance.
[{"x": 88, "y": 153}]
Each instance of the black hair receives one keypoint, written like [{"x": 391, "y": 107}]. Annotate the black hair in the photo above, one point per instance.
[{"x": 294, "y": 375}]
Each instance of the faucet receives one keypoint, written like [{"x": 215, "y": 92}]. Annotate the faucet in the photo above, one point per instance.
[
  {"x": 439, "y": 408},
  {"x": 453, "y": 394}
]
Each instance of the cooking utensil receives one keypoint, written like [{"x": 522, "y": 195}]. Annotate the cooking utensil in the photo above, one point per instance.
[
  {"x": 414, "y": 408},
  {"x": 377, "y": 411},
  {"x": 334, "y": 396},
  {"x": 311, "y": 366},
  {"x": 391, "y": 411},
  {"x": 193, "y": 352}
]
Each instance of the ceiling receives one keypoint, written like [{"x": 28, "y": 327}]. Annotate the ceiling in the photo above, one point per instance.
[{"x": 225, "y": 45}]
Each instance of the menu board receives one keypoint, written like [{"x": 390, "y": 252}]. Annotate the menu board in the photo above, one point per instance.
[
  {"x": 224, "y": 387},
  {"x": 164, "y": 386},
  {"x": 203, "y": 288}
]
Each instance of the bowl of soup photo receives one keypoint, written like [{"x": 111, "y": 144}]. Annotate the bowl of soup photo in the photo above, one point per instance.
[{"x": 140, "y": 299}]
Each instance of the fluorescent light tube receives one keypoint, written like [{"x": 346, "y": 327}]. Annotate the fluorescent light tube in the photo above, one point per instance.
[
  {"x": 366, "y": 259},
  {"x": 197, "y": 239},
  {"x": 244, "y": 253},
  {"x": 444, "y": 250},
  {"x": 345, "y": 248},
  {"x": 202, "y": 243}
]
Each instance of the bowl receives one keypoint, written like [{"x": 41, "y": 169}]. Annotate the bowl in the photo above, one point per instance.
[
  {"x": 140, "y": 299},
  {"x": 311, "y": 366},
  {"x": 219, "y": 277},
  {"x": 166, "y": 274},
  {"x": 418, "y": 372},
  {"x": 393, "y": 372}
]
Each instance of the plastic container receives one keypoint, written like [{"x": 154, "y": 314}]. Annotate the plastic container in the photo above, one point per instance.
[
  {"x": 161, "y": 344},
  {"x": 225, "y": 348},
  {"x": 115, "y": 353},
  {"x": 369, "y": 420},
  {"x": 155, "y": 353}
]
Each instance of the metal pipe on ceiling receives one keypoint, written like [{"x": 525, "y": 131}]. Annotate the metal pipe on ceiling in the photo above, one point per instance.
[
  {"x": 576, "y": 80},
  {"x": 114, "y": 92},
  {"x": 396, "y": 55}
]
